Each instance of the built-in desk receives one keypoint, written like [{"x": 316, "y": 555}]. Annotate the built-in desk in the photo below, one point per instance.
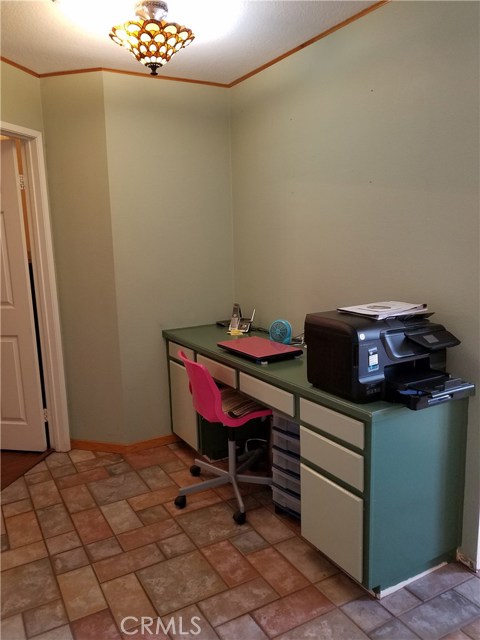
[{"x": 381, "y": 485}]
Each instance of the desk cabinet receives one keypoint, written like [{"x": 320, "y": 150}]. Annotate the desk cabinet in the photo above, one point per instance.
[
  {"x": 391, "y": 509},
  {"x": 381, "y": 486},
  {"x": 333, "y": 516},
  {"x": 185, "y": 421}
]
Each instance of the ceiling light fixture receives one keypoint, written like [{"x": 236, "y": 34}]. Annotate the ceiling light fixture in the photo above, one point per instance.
[{"x": 150, "y": 39}]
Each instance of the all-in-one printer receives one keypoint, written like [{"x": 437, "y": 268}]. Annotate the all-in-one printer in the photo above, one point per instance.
[{"x": 400, "y": 359}]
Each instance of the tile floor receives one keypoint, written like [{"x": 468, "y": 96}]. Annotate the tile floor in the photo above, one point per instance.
[{"x": 92, "y": 545}]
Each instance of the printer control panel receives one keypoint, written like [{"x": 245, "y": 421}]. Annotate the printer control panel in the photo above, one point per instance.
[{"x": 373, "y": 362}]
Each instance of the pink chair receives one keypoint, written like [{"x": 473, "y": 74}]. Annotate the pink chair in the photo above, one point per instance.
[{"x": 232, "y": 409}]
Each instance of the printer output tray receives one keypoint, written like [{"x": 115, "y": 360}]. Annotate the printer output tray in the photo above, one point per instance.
[{"x": 426, "y": 392}]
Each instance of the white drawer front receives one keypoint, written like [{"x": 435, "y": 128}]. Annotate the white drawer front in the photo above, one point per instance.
[
  {"x": 336, "y": 424},
  {"x": 332, "y": 520},
  {"x": 184, "y": 416},
  {"x": 219, "y": 371},
  {"x": 332, "y": 457},
  {"x": 174, "y": 348},
  {"x": 264, "y": 392}
]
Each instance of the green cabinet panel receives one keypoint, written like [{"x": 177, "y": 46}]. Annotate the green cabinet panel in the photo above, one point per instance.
[{"x": 416, "y": 476}]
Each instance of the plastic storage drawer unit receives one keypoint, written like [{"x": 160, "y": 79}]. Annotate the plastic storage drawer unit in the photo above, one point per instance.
[{"x": 286, "y": 465}]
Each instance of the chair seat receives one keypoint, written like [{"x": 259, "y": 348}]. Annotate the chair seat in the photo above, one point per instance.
[{"x": 236, "y": 405}]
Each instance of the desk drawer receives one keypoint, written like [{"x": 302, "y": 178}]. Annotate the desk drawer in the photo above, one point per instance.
[
  {"x": 332, "y": 520},
  {"x": 332, "y": 422},
  {"x": 264, "y": 392},
  {"x": 219, "y": 371},
  {"x": 332, "y": 457},
  {"x": 174, "y": 348}
]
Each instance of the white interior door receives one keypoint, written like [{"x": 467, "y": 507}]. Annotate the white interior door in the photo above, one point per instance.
[{"x": 22, "y": 417}]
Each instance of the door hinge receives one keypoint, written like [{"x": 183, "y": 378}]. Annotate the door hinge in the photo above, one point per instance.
[
  {"x": 21, "y": 181},
  {"x": 45, "y": 415}
]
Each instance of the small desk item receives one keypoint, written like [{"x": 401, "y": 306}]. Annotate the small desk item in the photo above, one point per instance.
[{"x": 260, "y": 349}]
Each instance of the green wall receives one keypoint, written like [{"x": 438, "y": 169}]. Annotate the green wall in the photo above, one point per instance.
[
  {"x": 141, "y": 205},
  {"x": 356, "y": 178},
  {"x": 358, "y": 157},
  {"x": 77, "y": 165},
  {"x": 21, "y": 100},
  {"x": 170, "y": 186}
]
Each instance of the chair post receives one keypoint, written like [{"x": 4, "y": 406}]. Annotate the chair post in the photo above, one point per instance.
[{"x": 232, "y": 470}]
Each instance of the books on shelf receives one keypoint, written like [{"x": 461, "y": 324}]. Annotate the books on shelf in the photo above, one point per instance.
[{"x": 382, "y": 310}]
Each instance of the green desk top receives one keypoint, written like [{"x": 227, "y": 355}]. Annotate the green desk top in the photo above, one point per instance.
[{"x": 290, "y": 375}]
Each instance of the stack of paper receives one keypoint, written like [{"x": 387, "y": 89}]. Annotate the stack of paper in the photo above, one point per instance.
[
  {"x": 382, "y": 310},
  {"x": 236, "y": 405}
]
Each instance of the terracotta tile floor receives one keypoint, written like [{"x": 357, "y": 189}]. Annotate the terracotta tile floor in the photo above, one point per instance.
[{"x": 92, "y": 545}]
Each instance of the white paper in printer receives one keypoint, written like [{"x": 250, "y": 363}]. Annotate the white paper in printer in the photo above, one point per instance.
[{"x": 388, "y": 309}]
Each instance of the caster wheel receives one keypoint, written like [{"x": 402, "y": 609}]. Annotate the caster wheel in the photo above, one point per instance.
[
  {"x": 239, "y": 517},
  {"x": 181, "y": 502},
  {"x": 195, "y": 470}
]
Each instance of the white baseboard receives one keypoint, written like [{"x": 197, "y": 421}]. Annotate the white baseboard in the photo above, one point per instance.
[
  {"x": 468, "y": 562},
  {"x": 389, "y": 590}
]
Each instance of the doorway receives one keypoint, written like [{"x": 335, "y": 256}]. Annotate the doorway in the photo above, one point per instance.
[
  {"x": 44, "y": 283},
  {"x": 23, "y": 424}
]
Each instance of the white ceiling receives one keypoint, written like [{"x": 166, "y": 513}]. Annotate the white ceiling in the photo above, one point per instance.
[{"x": 39, "y": 36}]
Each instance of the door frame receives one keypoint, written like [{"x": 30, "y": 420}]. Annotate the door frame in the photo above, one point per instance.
[{"x": 45, "y": 285}]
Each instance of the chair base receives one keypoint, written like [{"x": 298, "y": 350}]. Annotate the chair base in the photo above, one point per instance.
[{"x": 231, "y": 476}]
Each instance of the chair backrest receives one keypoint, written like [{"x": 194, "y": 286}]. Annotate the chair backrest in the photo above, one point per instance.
[{"x": 207, "y": 400}]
